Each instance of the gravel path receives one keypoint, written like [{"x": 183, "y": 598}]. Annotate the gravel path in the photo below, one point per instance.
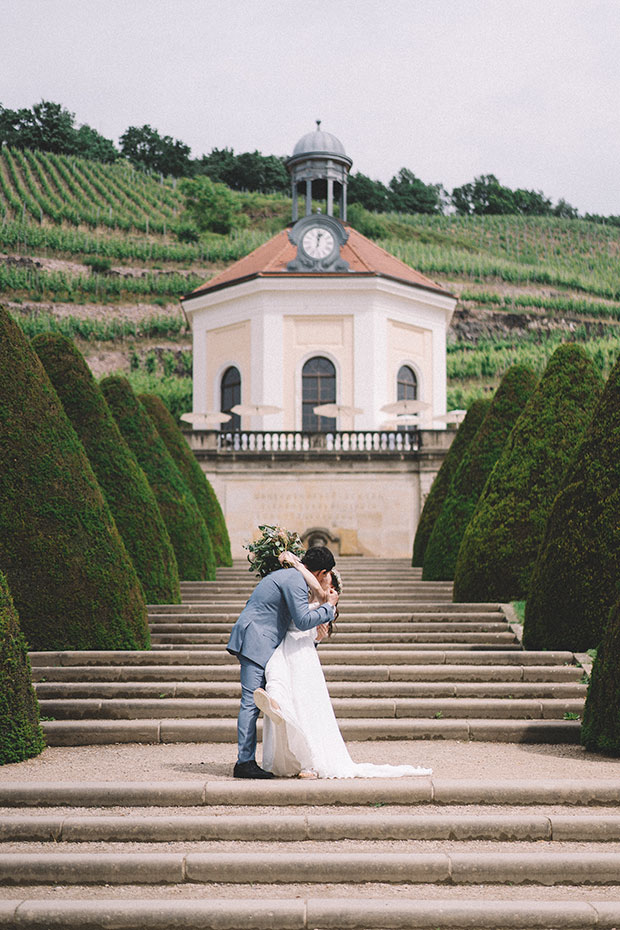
[{"x": 212, "y": 761}]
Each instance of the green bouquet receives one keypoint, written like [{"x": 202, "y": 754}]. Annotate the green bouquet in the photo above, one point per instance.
[{"x": 263, "y": 554}]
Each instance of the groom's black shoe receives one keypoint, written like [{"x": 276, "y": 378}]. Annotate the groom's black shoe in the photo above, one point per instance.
[{"x": 250, "y": 770}]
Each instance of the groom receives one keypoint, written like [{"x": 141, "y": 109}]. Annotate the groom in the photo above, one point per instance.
[{"x": 277, "y": 599}]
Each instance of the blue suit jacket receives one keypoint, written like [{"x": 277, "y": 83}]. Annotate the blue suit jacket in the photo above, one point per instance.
[{"x": 277, "y": 599}]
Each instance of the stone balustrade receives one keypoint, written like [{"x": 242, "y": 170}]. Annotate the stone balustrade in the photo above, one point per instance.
[{"x": 287, "y": 442}]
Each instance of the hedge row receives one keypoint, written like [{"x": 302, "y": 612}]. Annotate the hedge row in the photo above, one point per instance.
[
  {"x": 71, "y": 578},
  {"x": 121, "y": 479},
  {"x": 439, "y": 488},
  {"x": 193, "y": 475},
  {"x": 575, "y": 579},
  {"x": 500, "y": 544},
  {"x": 473, "y": 471},
  {"x": 20, "y": 732},
  {"x": 183, "y": 520}
]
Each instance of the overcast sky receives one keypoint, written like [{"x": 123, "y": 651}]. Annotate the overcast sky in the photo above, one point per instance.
[{"x": 526, "y": 89}]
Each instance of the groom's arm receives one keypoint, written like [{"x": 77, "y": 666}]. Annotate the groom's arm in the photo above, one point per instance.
[{"x": 295, "y": 594}]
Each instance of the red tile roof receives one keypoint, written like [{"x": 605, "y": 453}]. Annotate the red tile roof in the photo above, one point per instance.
[{"x": 363, "y": 255}]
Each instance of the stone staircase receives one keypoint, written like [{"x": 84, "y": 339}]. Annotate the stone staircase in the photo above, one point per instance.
[{"x": 406, "y": 664}]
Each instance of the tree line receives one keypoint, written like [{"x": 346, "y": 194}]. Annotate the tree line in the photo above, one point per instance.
[{"x": 50, "y": 127}]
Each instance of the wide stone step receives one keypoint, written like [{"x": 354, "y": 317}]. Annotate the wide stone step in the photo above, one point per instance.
[
  {"x": 56, "y": 690},
  {"x": 381, "y": 623},
  {"x": 380, "y": 708},
  {"x": 308, "y": 913},
  {"x": 291, "y": 792},
  {"x": 294, "y": 828},
  {"x": 327, "y": 868},
  {"x": 352, "y": 675},
  {"x": 434, "y": 607},
  {"x": 454, "y": 637},
  {"x": 360, "y": 652},
  {"x": 91, "y": 731},
  {"x": 194, "y": 625},
  {"x": 329, "y": 656}
]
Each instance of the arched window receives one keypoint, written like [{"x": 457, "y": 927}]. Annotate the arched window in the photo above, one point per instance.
[
  {"x": 230, "y": 396},
  {"x": 406, "y": 384},
  {"x": 318, "y": 386}
]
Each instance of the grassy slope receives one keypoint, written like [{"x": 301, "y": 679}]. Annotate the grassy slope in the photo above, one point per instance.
[{"x": 525, "y": 284}]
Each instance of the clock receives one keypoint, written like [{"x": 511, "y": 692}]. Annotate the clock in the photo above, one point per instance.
[
  {"x": 318, "y": 239},
  {"x": 317, "y": 242}
]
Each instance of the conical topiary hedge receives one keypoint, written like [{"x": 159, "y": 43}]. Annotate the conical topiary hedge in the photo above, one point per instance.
[
  {"x": 472, "y": 473},
  {"x": 184, "y": 523},
  {"x": 72, "y": 581},
  {"x": 600, "y": 729},
  {"x": 501, "y": 541},
  {"x": 20, "y": 733},
  {"x": 193, "y": 474},
  {"x": 439, "y": 488},
  {"x": 575, "y": 577},
  {"x": 121, "y": 479}
]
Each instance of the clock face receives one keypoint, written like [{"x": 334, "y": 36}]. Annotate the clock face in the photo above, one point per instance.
[{"x": 318, "y": 242}]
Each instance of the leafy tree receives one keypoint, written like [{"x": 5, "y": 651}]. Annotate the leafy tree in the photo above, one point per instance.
[
  {"x": 47, "y": 126},
  {"x": 121, "y": 479},
  {"x": 146, "y": 148},
  {"x": 565, "y": 210},
  {"x": 439, "y": 489},
  {"x": 373, "y": 195},
  {"x": 183, "y": 520},
  {"x": 20, "y": 732},
  {"x": 193, "y": 475},
  {"x": 91, "y": 144},
  {"x": 209, "y": 205},
  {"x": 410, "y": 195},
  {"x": 575, "y": 578},
  {"x": 600, "y": 729},
  {"x": 473, "y": 471},
  {"x": 71, "y": 578},
  {"x": 500, "y": 543},
  {"x": 248, "y": 171},
  {"x": 485, "y": 195}
]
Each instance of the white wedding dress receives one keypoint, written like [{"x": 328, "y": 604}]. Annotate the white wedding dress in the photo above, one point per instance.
[{"x": 309, "y": 739}]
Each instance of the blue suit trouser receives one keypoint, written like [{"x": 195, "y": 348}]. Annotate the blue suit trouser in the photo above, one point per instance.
[{"x": 252, "y": 677}]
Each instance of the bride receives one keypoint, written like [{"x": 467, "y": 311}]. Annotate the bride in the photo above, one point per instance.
[{"x": 300, "y": 732}]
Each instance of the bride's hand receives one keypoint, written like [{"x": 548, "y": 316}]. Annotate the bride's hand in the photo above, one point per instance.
[
  {"x": 322, "y": 631},
  {"x": 333, "y": 597}
]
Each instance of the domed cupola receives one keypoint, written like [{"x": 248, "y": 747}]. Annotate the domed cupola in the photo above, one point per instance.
[{"x": 319, "y": 168}]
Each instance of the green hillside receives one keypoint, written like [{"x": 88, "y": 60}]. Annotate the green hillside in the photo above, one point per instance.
[{"x": 94, "y": 250}]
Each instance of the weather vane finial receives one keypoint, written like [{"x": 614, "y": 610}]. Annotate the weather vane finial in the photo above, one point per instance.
[{"x": 318, "y": 125}]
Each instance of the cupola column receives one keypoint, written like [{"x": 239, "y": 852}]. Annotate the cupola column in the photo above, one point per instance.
[
  {"x": 295, "y": 202},
  {"x": 343, "y": 202},
  {"x": 330, "y": 197},
  {"x": 308, "y": 197}
]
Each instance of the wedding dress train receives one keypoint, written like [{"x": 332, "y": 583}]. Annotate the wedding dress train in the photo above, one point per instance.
[{"x": 309, "y": 738}]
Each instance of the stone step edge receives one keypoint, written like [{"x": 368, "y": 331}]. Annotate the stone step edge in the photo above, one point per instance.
[
  {"x": 293, "y": 828},
  {"x": 89, "y": 732},
  {"x": 297, "y": 792},
  {"x": 425, "y": 657},
  {"x": 449, "y": 868},
  {"x": 309, "y": 913}
]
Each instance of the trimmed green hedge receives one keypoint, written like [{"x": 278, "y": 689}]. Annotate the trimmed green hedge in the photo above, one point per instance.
[
  {"x": 20, "y": 732},
  {"x": 439, "y": 488},
  {"x": 72, "y": 581},
  {"x": 600, "y": 730},
  {"x": 193, "y": 474},
  {"x": 501, "y": 541},
  {"x": 184, "y": 523},
  {"x": 472, "y": 473},
  {"x": 121, "y": 479},
  {"x": 575, "y": 578}
]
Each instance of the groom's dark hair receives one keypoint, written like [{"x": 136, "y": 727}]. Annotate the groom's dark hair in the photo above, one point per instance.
[{"x": 319, "y": 558}]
